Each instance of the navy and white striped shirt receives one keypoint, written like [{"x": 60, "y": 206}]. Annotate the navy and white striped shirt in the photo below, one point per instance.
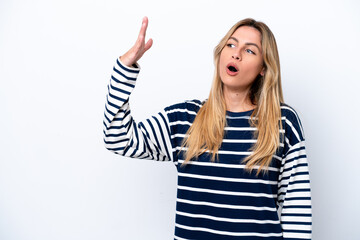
[{"x": 221, "y": 199}]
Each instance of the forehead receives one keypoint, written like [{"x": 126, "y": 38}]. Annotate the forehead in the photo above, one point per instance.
[{"x": 248, "y": 34}]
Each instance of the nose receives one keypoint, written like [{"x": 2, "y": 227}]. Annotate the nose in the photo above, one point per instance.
[{"x": 236, "y": 56}]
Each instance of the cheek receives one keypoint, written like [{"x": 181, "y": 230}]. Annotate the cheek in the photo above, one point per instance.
[
  {"x": 221, "y": 59},
  {"x": 255, "y": 67},
  {"x": 221, "y": 64}
]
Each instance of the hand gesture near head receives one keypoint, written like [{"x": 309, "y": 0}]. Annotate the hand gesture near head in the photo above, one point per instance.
[{"x": 140, "y": 47}]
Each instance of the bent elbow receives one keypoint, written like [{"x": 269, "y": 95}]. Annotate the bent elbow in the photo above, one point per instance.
[{"x": 116, "y": 146}]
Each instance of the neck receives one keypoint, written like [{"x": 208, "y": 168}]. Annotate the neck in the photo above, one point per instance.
[{"x": 237, "y": 100}]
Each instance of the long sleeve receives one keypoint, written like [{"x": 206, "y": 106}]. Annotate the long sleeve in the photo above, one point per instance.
[
  {"x": 294, "y": 196},
  {"x": 148, "y": 139}
]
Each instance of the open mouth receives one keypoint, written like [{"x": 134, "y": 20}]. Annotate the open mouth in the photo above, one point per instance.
[{"x": 232, "y": 69}]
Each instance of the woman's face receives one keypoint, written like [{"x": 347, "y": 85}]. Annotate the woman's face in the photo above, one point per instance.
[{"x": 241, "y": 59}]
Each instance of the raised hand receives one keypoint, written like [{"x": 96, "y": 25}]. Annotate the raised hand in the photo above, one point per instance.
[{"x": 140, "y": 47}]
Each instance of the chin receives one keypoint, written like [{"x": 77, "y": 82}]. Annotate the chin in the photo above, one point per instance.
[{"x": 232, "y": 83}]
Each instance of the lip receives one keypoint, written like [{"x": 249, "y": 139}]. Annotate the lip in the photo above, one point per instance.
[{"x": 230, "y": 72}]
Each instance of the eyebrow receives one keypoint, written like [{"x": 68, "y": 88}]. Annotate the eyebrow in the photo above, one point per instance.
[{"x": 247, "y": 43}]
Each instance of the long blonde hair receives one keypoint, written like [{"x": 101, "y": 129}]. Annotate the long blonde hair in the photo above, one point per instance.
[{"x": 207, "y": 131}]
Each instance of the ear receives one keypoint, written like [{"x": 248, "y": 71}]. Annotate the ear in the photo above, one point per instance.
[{"x": 262, "y": 73}]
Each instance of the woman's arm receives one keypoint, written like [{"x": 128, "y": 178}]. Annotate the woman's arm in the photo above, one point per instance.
[
  {"x": 149, "y": 139},
  {"x": 294, "y": 195}
]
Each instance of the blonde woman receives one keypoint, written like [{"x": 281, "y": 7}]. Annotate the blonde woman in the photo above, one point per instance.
[{"x": 240, "y": 154}]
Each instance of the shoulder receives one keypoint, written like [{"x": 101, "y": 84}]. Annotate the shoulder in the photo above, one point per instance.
[
  {"x": 183, "y": 111},
  {"x": 289, "y": 113},
  {"x": 292, "y": 125},
  {"x": 189, "y": 105}
]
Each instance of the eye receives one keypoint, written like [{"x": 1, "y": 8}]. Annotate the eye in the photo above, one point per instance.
[
  {"x": 249, "y": 51},
  {"x": 230, "y": 45}
]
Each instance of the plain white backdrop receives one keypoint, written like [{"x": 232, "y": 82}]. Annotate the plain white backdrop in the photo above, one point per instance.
[{"x": 57, "y": 181}]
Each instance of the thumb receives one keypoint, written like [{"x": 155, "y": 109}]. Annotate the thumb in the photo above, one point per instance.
[{"x": 148, "y": 44}]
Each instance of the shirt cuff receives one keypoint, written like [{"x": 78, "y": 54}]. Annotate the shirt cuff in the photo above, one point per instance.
[{"x": 135, "y": 66}]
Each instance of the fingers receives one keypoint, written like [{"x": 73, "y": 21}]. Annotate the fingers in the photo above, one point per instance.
[
  {"x": 143, "y": 28},
  {"x": 139, "y": 48},
  {"x": 148, "y": 45},
  {"x": 140, "y": 43}
]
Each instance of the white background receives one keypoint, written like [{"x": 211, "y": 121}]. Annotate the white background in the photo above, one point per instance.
[{"x": 57, "y": 181}]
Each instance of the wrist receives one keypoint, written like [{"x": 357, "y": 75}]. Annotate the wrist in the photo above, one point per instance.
[{"x": 126, "y": 64}]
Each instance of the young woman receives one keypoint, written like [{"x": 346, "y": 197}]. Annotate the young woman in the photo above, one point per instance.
[{"x": 240, "y": 154}]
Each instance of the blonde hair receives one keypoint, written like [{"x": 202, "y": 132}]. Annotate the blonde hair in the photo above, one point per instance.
[{"x": 207, "y": 131}]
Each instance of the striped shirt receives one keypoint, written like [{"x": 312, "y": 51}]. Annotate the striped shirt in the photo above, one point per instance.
[{"x": 221, "y": 199}]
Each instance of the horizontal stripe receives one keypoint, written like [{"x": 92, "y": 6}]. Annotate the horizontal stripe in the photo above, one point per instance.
[
  {"x": 296, "y": 219},
  {"x": 180, "y": 123},
  {"x": 223, "y": 165},
  {"x": 179, "y": 110},
  {"x": 225, "y": 140},
  {"x": 227, "y": 219},
  {"x": 297, "y": 236},
  {"x": 179, "y": 238},
  {"x": 226, "y": 179},
  {"x": 227, "y": 192},
  {"x": 227, "y": 206},
  {"x": 240, "y": 129},
  {"x": 179, "y": 148},
  {"x": 244, "y": 234},
  {"x": 127, "y": 69}
]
